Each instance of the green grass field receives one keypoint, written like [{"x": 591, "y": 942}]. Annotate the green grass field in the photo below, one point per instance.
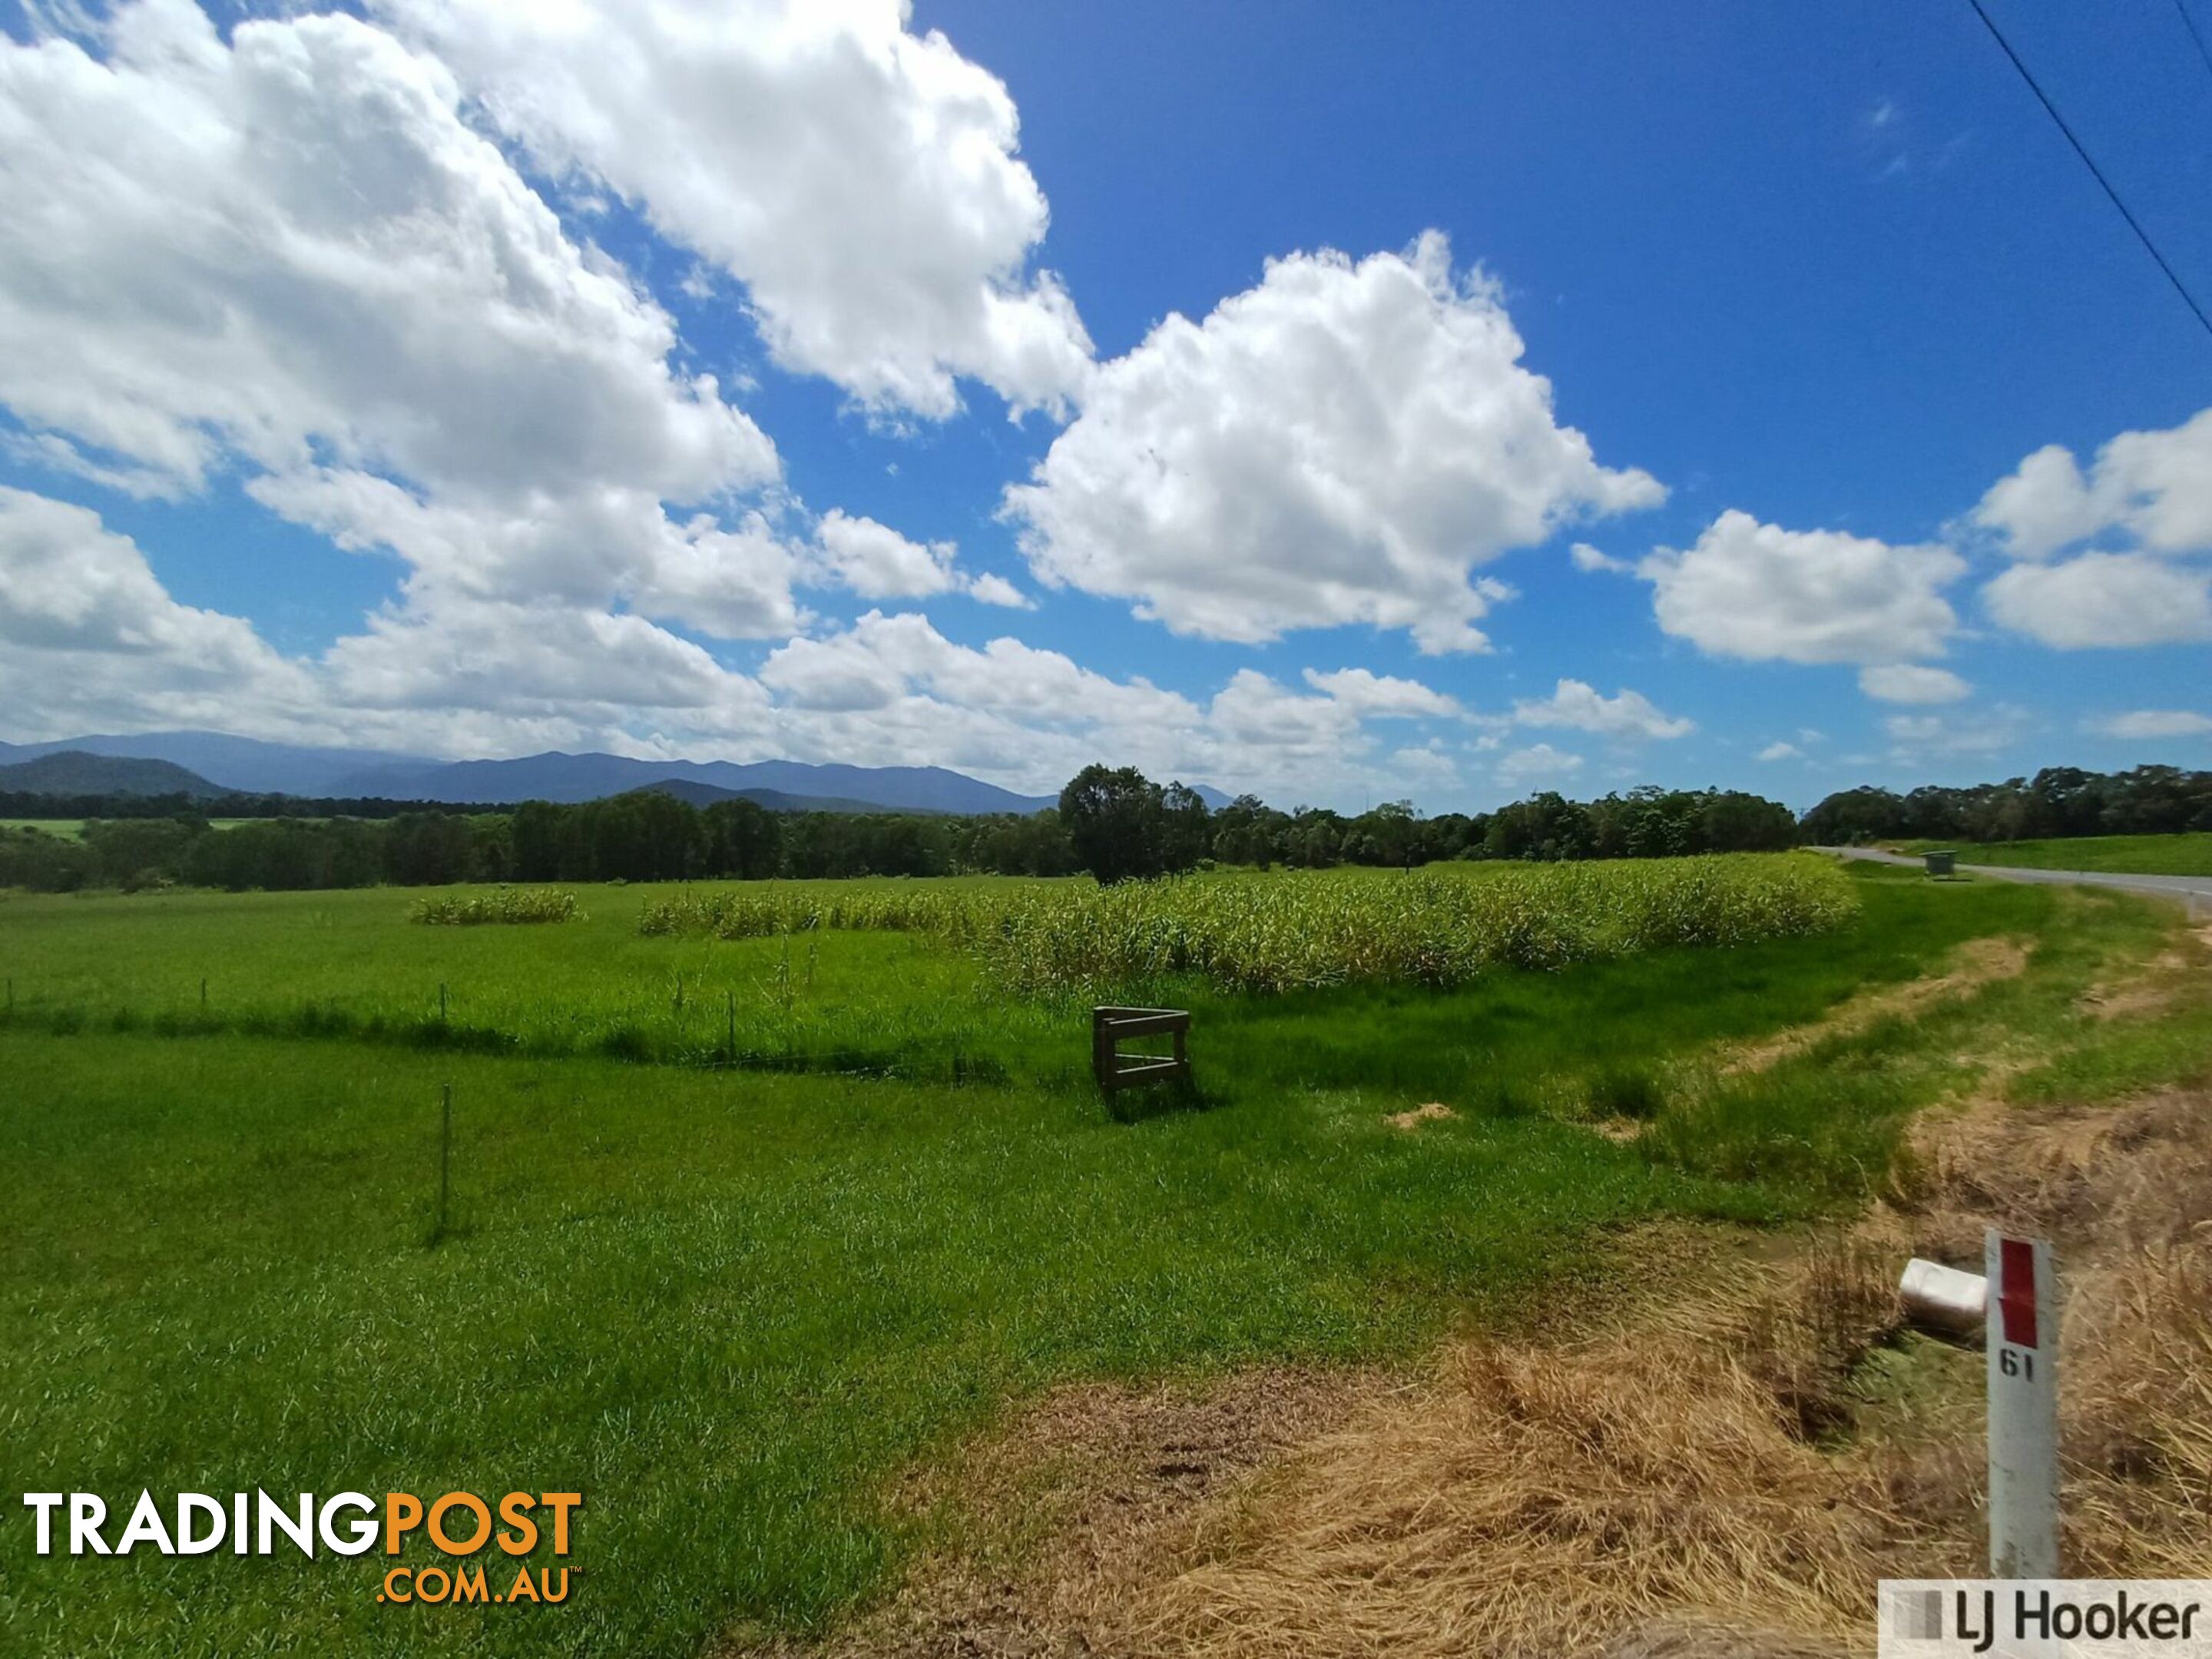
[
  {"x": 2138, "y": 855},
  {"x": 73, "y": 828},
  {"x": 67, "y": 829},
  {"x": 733, "y": 1303}
]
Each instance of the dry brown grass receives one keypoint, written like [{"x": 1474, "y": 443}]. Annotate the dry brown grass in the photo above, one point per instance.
[
  {"x": 1977, "y": 963},
  {"x": 1697, "y": 1478},
  {"x": 1652, "y": 1486},
  {"x": 1674, "y": 1484},
  {"x": 1413, "y": 1119},
  {"x": 2130, "y": 1191}
]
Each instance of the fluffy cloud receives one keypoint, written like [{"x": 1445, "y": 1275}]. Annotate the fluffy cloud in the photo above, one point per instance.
[
  {"x": 1916, "y": 737},
  {"x": 1781, "y": 752},
  {"x": 1901, "y": 682},
  {"x": 1372, "y": 695},
  {"x": 93, "y": 641},
  {"x": 1341, "y": 444},
  {"x": 588, "y": 666},
  {"x": 882, "y": 659},
  {"x": 2105, "y": 600},
  {"x": 1764, "y": 593},
  {"x": 91, "y": 636},
  {"x": 1538, "y": 764},
  {"x": 861, "y": 180},
  {"x": 877, "y": 563},
  {"x": 288, "y": 254},
  {"x": 1580, "y": 707},
  {"x": 991, "y": 588},
  {"x": 291, "y": 247},
  {"x": 2155, "y": 486},
  {"x": 583, "y": 548},
  {"x": 1587, "y": 558},
  {"x": 2150, "y": 490},
  {"x": 891, "y": 688},
  {"x": 2146, "y": 724}
]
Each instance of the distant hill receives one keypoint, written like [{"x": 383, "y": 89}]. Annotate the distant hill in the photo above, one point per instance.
[
  {"x": 563, "y": 777},
  {"x": 774, "y": 800},
  {"x": 219, "y": 761},
  {"x": 246, "y": 764},
  {"x": 74, "y": 772}
]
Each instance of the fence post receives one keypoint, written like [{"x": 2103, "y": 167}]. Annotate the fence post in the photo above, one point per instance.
[
  {"x": 2021, "y": 1358},
  {"x": 445, "y": 1158}
]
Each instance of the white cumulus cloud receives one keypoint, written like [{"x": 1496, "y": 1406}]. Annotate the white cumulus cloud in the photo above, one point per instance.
[
  {"x": 1587, "y": 558},
  {"x": 1538, "y": 764},
  {"x": 88, "y": 634},
  {"x": 1764, "y": 593},
  {"x": 1581, "y": 707},
  {"x": 861, "y": 180},
  {"x": 1343, "y": 443},
  {"x": 877, "y": 563},
  {"x": 291, "y": 247},
  {"x": 991, "y": 588},
  {"x": 1372, "y": 695},
  {"x": 1904, "y": 682},
  {"x": 2147, "y": 500},
  {"x": 287, "y": 256},
  {"x": 2155, "y": 486},
  {"x": 2153, "y": 723},
  {"x": 2105, "y": 600}
]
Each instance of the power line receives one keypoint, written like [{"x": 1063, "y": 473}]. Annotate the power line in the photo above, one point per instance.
[
  {"x": 2095, "y": 171},
  {"x": 2190, "y": 23}
]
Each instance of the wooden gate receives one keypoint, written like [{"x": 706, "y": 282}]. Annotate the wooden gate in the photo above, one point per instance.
[{"x": 1115, "y": 1070}]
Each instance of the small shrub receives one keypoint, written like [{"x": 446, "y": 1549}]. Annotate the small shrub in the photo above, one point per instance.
[
  {"x": 1626, "y": 1092},
  {"x": 506, "y": 904}
]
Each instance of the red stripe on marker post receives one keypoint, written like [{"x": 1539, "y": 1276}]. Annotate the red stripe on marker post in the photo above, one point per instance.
[{"x": 2016, "y": 1292}]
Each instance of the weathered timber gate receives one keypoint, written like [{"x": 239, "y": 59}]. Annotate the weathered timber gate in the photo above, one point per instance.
[{"x": 1115, "y": 1070}]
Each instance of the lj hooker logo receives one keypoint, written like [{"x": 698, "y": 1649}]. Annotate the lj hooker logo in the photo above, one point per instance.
[
  {"x": 459, "y": 1525},
  {"x": 2045, "y": 1618}
]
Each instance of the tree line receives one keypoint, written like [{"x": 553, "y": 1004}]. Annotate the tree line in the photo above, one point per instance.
[
  {"x": 28, "y": 804},
  {"x": 2059, "y": 800},
  {"x": 1112, "y": 823}
]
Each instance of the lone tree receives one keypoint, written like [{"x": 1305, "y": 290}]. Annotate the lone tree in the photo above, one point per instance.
[
  {"x": 1115, "y": 818},
  {"x": 1123, "y": 826}
]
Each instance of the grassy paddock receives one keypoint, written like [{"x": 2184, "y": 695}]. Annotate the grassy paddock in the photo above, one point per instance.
[
  {"x": 731, "y": 1307},
  {"x": 914, "y": 984},
  {"x": 2189, "y": 855},
  {"x": 73, "y": 828}
]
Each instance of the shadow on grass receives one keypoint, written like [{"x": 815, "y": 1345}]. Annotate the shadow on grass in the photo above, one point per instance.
[{"x": 1142, "y": 1103}]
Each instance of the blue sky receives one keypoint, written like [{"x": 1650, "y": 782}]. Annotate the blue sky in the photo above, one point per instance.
[{"x": 355, "y": 388}]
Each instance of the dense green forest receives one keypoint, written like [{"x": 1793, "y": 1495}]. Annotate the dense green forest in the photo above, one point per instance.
[
  {"x": 1112, "y": 824},
  {"x": 1115, "y": 824},
  {"x": 2057, "y": 801}
]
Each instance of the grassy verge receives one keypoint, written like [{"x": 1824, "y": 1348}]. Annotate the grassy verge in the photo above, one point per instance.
[
  {"x": 2189, "y": 855},
  {"x": 730, "y": 1307}
]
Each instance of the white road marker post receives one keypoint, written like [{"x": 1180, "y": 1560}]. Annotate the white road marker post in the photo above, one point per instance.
[{"x": 2022, "y": 1359}]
